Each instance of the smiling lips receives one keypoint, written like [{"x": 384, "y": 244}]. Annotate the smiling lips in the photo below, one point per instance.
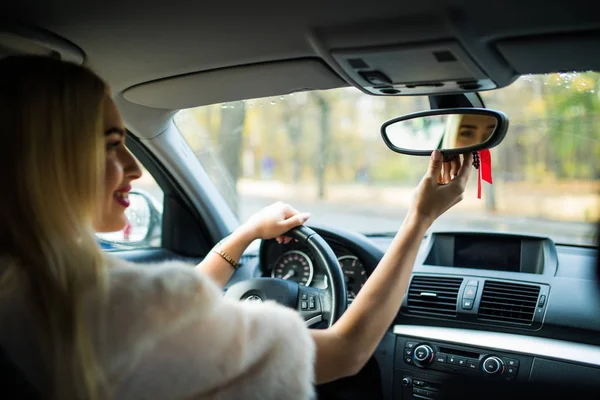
[{"x": 121, "y": 196}]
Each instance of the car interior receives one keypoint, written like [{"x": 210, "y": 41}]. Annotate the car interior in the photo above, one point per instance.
[{"x": 508, "y": 307}]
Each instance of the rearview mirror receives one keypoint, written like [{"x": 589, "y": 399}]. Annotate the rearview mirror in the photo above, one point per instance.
[{"x": 452, "y": 131}]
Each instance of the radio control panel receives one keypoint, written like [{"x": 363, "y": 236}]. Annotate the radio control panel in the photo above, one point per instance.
[
  {"x": 456, "y": 360},
  {"x": 421, "y": 365}
]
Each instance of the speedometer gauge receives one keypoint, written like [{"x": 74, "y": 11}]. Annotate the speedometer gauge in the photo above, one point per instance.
[
  {"x": 294, "y": 265},
  {"x": 354, "y": 273}
]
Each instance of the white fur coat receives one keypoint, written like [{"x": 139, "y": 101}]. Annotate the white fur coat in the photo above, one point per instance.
[{"x": 169, "y": 334}]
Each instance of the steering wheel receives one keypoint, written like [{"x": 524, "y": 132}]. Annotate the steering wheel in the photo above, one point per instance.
[{"x": 314, "y": 305}]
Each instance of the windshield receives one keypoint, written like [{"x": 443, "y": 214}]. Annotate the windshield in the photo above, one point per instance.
[{"x": 322, "y": 152}]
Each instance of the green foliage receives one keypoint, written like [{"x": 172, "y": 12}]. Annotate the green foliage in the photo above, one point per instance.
[{"x": 557, "y": 118}]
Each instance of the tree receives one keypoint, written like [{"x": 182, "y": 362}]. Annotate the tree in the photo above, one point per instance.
[
  {"x": 293, "y": 120},
  {"x": 230, "y": 149},
  {"x": 323, "y": 145}
]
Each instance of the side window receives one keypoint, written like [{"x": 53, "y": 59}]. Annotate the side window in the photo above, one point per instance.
[{"x": 144, "y": 216}]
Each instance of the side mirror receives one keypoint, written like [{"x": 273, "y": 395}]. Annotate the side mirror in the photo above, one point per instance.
[
  {"x": 144, "y": 216},
  {"x": 452, "y": 131}
]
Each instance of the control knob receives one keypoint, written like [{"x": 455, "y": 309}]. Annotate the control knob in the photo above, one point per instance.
[
  {"x": 423, "y": 355},
  {"x": 493, "y": 366}
]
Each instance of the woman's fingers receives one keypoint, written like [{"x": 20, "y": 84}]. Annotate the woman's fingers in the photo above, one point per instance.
[
  {"x": 446, "y": 168},
  {"x": 440, "y": 178},
  {"x": 451, "y": 169},
  {"x": 454, "y": 166},
  {"x": 274, "y": 221},
  {"x": 462, "y": 177},
  {"x": 435, "y": 165},
  {"x": 284, "y": 239},
  {"x": 289, "y": 211}
]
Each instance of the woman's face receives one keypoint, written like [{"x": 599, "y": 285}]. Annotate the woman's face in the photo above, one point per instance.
[
  {"x": 474, "y": 129},
  {"x": 121, "y": 169}
]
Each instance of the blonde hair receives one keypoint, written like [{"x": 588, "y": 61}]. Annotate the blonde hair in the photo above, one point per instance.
[
  {"x": 51, "y": 114},
  {"x": 453, "y": 122}
]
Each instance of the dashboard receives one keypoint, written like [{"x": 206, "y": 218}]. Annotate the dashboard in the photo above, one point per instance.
[{"x": 503, "y": 308}]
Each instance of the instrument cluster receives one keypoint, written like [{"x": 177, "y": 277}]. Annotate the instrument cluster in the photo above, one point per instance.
[{"x": 295, "y": 262}]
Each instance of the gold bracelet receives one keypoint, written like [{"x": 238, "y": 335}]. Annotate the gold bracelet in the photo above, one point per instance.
[{"x": 225, "y": 256}]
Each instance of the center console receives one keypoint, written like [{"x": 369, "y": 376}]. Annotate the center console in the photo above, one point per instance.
[
  {"x": 490, "y": 314},
  {"x": 421, "y": 367}
]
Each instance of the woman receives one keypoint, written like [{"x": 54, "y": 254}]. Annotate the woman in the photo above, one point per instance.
[
  {"x": 466, "y": 130},
  {"x": 83, "y": 324}
]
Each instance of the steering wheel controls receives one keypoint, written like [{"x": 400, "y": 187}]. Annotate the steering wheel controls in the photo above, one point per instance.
[{"x": 308, "y": 302}]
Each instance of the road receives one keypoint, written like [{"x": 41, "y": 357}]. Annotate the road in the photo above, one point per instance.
[
  {"x": 366, "y": 218},
  {"x": 377, "y": 219}
]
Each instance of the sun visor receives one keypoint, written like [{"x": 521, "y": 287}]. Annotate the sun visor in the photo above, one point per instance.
[
  {"x": 235, "y": 83},
  {"x": 552, "y": 53}
]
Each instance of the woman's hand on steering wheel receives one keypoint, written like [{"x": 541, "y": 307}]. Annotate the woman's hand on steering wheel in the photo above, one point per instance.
[{"x": 273, "y": 221}]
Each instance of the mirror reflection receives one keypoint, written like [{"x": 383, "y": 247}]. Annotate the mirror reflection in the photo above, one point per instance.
[
  {"x": 144, "y": 216},
  {"x": 442, "y": 132},
  {"x": 138, "y": 217}
]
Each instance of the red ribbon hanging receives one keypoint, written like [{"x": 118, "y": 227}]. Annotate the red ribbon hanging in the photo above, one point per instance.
[
  {"x": 479, "y": 183},
  {"x": 486, "y": 165},
  {"x": 485, "y": 170}
]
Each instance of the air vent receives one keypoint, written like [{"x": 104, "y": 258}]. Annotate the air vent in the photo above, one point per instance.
[
  {"x": 433, "y": 295},
  {"x": 508, "y": 302}
]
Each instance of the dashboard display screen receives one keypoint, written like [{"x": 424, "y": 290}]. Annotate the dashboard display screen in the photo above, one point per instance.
[{"x": 480, "y": 252}]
